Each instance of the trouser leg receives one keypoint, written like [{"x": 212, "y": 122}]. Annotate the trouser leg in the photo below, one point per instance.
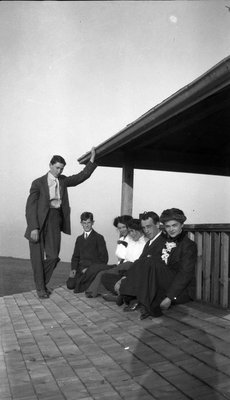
[
  {"x": 52, "y": 242},
  {"x": 96, "y": 286},
  {"x": 109, "y": 280},
  {"x": 37, "y": 261},
  {"x": 49, "y": 245}
]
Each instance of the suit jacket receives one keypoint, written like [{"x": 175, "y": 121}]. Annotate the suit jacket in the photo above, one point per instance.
[
  {"x": 149, "y": 252},
  {"x": 154, "y": 249},
  {"x": 38, "y": 202},
  {"x": 89, "y": 251}
]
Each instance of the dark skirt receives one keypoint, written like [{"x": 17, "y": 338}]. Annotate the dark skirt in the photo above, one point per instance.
[{"x": 148, "y": 281}]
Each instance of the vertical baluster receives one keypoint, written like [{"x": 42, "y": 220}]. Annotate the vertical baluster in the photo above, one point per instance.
[
  {"x": 215, "y": 295},
  {"x": 199, "y": 242},
  {"x": 207, "y": 267},
  {"x": 224, "y": 271}
]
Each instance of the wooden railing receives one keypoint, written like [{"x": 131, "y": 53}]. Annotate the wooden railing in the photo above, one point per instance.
[{"x": 212, "y": 270}]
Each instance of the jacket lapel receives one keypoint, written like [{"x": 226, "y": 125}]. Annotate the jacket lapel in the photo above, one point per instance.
[{"x": 44, "y": 182}]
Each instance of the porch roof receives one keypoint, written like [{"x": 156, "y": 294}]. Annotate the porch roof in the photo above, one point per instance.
[{"x": 187, "y": 132}]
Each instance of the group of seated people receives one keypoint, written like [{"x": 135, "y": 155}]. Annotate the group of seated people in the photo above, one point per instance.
[{"x": 155, "y": 267}]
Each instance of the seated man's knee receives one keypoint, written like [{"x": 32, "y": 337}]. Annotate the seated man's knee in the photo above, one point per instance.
[{"x": 108, "y": 281}]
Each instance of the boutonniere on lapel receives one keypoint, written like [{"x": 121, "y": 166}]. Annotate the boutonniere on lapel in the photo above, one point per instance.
[{"x": 167, "y": 250}]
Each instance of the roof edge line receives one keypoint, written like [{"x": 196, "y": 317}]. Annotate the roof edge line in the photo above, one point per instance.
[{"x": 202, "y": 87}]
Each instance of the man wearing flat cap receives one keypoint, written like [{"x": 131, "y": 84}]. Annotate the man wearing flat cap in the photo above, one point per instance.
[{"x": 168, "y": 278}]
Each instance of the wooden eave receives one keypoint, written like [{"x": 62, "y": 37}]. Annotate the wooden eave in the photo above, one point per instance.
[{"x": 187, "y": 132}]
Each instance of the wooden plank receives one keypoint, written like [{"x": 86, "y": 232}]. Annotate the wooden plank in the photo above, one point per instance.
[
  {"x": 224, "y": 270},
  {"x": 199, "y": 273},
  {"x": 191, "y": 235},
  {"x": 206, "y": 266},
  {"x": 215, "y": 293},
  {"x": 127, "y": 190}
]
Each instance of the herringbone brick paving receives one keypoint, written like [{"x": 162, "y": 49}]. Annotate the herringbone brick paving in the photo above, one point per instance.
[{"x": 70, "y": 347}]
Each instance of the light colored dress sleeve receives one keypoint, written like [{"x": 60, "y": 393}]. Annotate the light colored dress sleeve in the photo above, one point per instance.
[
  {"x": 121, "y": 249},
  {"x": 134, "y": 249}
]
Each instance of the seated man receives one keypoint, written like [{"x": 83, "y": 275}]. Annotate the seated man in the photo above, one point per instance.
[
  {"x": 150, "y": 226},
  {"x": 133, "y": 252},
  {"x": 129, "y": 248},
  {"x": 90, "y": 248},
  {"x": 169, "y": 276}
]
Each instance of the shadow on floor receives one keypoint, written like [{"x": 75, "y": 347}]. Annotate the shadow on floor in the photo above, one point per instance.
[{"x": 174, "y": 365}]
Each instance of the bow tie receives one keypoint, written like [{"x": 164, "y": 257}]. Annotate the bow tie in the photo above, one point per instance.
[{"x": 122, "y": 242}]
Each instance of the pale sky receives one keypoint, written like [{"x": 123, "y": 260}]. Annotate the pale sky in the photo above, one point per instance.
[{"x": 72, "y": 74}]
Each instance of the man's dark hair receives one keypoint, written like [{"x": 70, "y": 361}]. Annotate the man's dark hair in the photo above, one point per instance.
[
  {"x": 122, "y": 219},
  {"x": 55, "y": 159},
  {"x": 86, "y": 215},
  {"x": 135, "y": 224},
  {"x": 150, "y": 214}
]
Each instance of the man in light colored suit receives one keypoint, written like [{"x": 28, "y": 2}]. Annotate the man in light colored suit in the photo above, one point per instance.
[{"x": 47, "y": 215}]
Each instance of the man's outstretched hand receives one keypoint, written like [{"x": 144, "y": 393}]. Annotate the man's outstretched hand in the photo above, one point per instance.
[{"x": 93, "y": 154}]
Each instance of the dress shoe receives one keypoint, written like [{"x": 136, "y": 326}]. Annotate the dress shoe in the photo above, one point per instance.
[
  {"x": 144, "y": 313},
  {"x": 42, "y": 294},
  {"x": 89, "y": 295},
  {"x": 133, "y": 305},
  {"x": 119, "y": 300},
  {"x": 156, "y": 312},
  {"x": 109, "y": 297},
  {"x": 48, "y": 291}
]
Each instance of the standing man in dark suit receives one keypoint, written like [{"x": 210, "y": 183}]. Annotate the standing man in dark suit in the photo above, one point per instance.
[
  {"x": 47, "y": 215},
  {"x": 89, "y": 257}
]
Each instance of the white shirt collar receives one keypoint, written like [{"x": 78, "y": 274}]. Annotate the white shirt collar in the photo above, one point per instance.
[
  {"x": 51, "y": 177},
  {"x": 87, "y": 233}
]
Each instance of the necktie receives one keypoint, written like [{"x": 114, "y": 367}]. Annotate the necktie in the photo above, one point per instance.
[
  {"x": 86, "y": 235},
  {"x": 56, "y": 188}
]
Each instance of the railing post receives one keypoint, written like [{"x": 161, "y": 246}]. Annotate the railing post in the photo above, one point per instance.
[
  {"x": 199, "y": 269},
  {"x": 207, "y": 267},
  {"x": 224, "y": 271},
  {"x": 215, "y": 295}
]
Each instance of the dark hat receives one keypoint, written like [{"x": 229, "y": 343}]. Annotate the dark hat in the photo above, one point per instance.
[{"x": 173, "y": 214}]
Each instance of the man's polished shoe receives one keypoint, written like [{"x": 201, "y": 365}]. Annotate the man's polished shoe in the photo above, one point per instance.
[
  {"x": 133, "y": 305},
  {"x": 144, "y": 313},
  {"x": 156, "y": 312},
  {"x": 42, "y": 294},
  {"x": 48, "y": 291},
  {"x": 119, "y": 300},
  {"x": 89, "y": 295}
]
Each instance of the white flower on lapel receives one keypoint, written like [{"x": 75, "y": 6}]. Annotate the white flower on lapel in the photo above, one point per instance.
[{"x": 166, "y": 251}]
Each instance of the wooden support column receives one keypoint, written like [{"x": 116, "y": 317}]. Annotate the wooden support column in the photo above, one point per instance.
[{"x": 127, "y": 190}]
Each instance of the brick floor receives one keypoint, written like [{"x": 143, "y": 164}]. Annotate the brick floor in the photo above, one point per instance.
[{"x": 70, "y": 347}]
